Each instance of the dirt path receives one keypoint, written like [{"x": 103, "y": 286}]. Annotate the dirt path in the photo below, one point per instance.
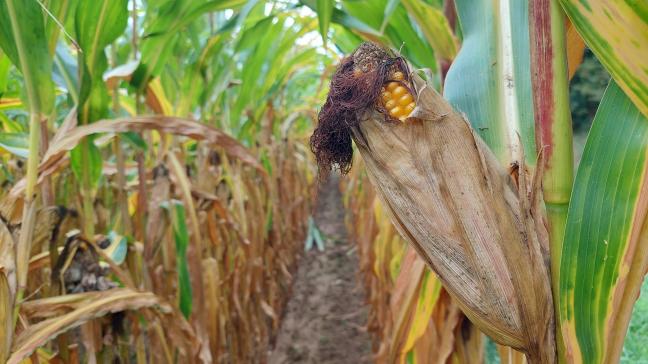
[{"x": 325, "y": 318}]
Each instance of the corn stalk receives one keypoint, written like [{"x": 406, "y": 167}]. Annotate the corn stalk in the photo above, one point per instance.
[{"x": 23, "y": 40}]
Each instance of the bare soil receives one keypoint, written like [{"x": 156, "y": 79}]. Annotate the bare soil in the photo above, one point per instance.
[{"x": 326, "y": 315}]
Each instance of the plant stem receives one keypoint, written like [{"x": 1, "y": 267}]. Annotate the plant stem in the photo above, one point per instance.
[
  {"x": 46, "y": 189},
  {"x": 87, "y": 190},
  {"x": 553, "y": 127},
  {"x": 29, "y": 208}
]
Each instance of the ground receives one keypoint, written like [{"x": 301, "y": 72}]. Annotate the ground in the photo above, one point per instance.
[{"x": 325, "y": 317}]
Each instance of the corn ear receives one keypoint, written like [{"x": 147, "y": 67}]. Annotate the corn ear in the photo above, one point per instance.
[{"x": 481, "y": 231}]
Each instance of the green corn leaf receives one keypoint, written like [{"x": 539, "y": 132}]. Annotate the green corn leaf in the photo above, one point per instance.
[
  {"x": 59, "y": 11},
  {"x": 399, "y": 33},
  {"x": 253, "y": 68},
  {"x": 181, "y": 236},
  {"x": 66, "y": 71},
  {"x": 367, "y": 18},
  {"x": 434, "y": 26},
  {"x": 25, "y": 43},
  {"x": 353, "y": 24},
  {"x": 5, "y": 64},
  {"x": 604, "y": 254},
  {"x": 10, "y": 126},
  {"x": 15, "y": 143},
  {"x": 344, "y": 19},
  {"x": 86, "y": 157},
  {"x": 490, "y": 80},
  {"x": 135, "y": 140},
  {"x": 345, "y": 40},
  {"x": 389, "y": 10},
  {"x": 324, "y": 12},
  {"x": 97, "y": 24},
  {"x": 166, "y": 28},
  {"x": 617, "y": 33}
]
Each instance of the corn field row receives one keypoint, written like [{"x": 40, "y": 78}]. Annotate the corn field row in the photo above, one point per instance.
[{"x": 158, "y": 180}]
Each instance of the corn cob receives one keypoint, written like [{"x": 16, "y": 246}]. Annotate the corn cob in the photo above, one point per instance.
[{"x": 396, "y": 98}]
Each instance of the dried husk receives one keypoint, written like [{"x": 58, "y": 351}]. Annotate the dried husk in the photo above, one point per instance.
[
  {"x": 7, "y": 289},
  {"x": 481, "y": 231}
]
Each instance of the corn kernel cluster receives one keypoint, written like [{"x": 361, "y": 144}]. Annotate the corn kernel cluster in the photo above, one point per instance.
[{"x": 398, "y": 101}]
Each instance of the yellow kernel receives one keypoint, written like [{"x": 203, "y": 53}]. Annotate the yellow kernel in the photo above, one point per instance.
[
  {"x": 399, "y": 91},
  {"x": 392, "y": 86},
  {"x": 405, "y": 99},
  {"x": 398, "y": 76},
  {"x": 390, "y": 104},
  {"x": 386, "y": 96},
  {"x": 409, "y": 108},
  {"x": 402, "y": 118},
  {"x": 396, "y": 112}
]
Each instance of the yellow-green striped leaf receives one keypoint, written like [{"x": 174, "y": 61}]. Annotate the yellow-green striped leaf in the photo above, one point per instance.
[
  {"x": 605, "y": 250},
  {"x": 617, "y": 33},
  {"x": 15, "y": 143},
  {"x": 427, "y": 299}
]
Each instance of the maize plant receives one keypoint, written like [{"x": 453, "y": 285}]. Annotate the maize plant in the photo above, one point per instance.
[{"x": 482, "y": 185}]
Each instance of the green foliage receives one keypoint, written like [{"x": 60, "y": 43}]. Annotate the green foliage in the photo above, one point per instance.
[
  {"x": 599, "y": 230},
  {"x": 97, "y": 24},
  {"x": 324, "y": 12},
  {"x": 181, "y": 235},
  {"x": 23, "y": 40},
  {"x": 16, "y": 143},
  {"x": 87, "y": 159}
]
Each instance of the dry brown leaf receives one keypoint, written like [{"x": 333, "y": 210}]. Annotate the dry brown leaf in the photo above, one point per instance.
[
  {"x": 156, "y": 223},
  {"x": 69, "y": 123},
  {"x": 7, "y": 290},
  {"x": 404, "y": 299},
  {"x": 173, "y": 125},
  {"x": 88, "y": 306},
  {"x": 446, "y": 318},
  {"x": 194, "y": 255}
]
